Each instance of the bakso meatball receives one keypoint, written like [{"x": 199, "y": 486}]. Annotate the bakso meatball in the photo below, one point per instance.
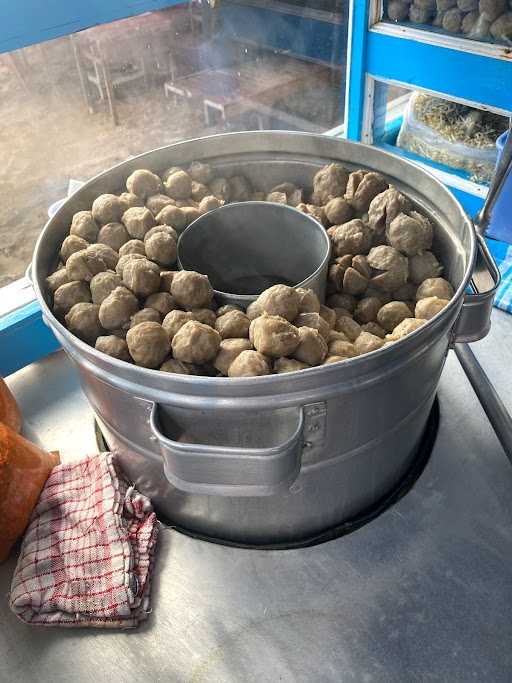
[
  {"x": 330, "y": 181},
  {"x": 345, "y": 301},
  {"x": 233, "y": 324},
  {"x": 127, "y": 200},
  {"x": 229, "y": 349},
  {"x": 145, "y": 315},
  {"x": 157, "y": 202},
  {"x": 83, "y": 321},
  {"x": 104, "y": 252},
  {"x": 341, "y": 348},
  {"x": 195, "y": 343},
  {"x": 169, "y": 172},
  {"x": 385, "y": 207},
  {"x": 82, "y": 265},
  {"x": 191, "y": 289},
  {"x": 132, "y": 247},
  {"x": 330, "y": 360},
  {"x": 106, "y": 209},
  {"x": 58, "y": 278},
  {"x": 392, "y": 263},
  {"x": 161, "y": 302},
  {"x": 240, "y": 189},
  {"x": 313, "y": 321},
  {"x": 354, "y": 282},
  {"x": 173, "y": 216},
  {"x": 274, "y": 336},
  {"x": 279, "y": 300},
  {"x": 282, "y": 365},
  {"x": 329, "y": 315},
  {"x": 404, "y": 328},
  {"x": 371, "y": 185},
  {"x": 138, "y": 221},
  {"x": 452, "y": 20},
  {"x": 204, "y": 315},
  {"x": 367, "y": 310},
  {"x": 424, "y": 266},
  {"x": 113, "y": 346},
  {"x": 191, "y": 214},
  {"x": 392, "y": 314},
  {"x": 166, "y": 277},
  {"x": 199, "y": 191},
  {"x": 338, "y": 211},
  {"x": 178, "y": 368},
  {"x": 161, "y": 248},
  {"x": 374, "y": 328},
  {"x": 254, "y": 310},
  {"x": 398, "y": 10},
  {"x": 143, "y": 183},
  {"x": 353, "y": 237},
  {"x": 178, "y": 185},
  {"x": 117, "y": 309},
  {"x": 201, "y": 173},
  {"x": 71, "y": 245},
  {"x": 276, "y": 197},
  {"x": 410, "y": 234},
  {"x": 174, "y": 321},
  {"x": 83, "y": 225},
  {"x": 249, "y": 364},
  {"x": 69, "y": 294},
  {"x": 227, "y": 308},
  {"x": 436, "y": 286},
  {"x": 103, "y": 284},
  {"x": 141, "y": 276},
  {"x": 429, "y": 307},
  {"x": 349, "y": 327},
  {"x": 209, "y": 203},
  {"x": 124, "y": 259},
  {"x": 114, "y": 235},
  {"x": 161, "y": 228},
  {"x": 367, "y": 342},
  {"x": 312, "y": 348},
  {"x": 308, "y": 301},
  {"x": 148, "y": 344},
  {"x": 219, "y": 187}
]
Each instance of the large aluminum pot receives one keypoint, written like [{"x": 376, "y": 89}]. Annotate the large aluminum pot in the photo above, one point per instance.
[{"x": 278, "y": 458}]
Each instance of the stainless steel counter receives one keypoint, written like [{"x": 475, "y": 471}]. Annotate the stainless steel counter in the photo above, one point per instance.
[{"x": 423, "y": 593}]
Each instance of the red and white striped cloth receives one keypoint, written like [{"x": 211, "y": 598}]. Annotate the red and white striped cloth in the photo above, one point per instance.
[{"x": 88, "y": 553}]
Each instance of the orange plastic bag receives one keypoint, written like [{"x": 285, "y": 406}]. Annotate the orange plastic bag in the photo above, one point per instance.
[
  {"x": 9, "y": 411},
  {"x": 24, "y": 469}
]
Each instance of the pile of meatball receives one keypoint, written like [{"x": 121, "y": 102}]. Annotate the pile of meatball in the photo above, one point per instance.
[{"x": 116, "y": 288}]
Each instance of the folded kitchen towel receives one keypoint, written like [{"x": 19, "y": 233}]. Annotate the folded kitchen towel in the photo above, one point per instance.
[{"x": 88, "y": 552}]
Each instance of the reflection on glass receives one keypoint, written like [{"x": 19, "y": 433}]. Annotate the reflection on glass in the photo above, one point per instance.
[{"x": 72, "y": 107}]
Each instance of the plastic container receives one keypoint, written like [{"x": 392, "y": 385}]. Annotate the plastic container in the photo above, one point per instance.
[{"x": 500, "y": 226}]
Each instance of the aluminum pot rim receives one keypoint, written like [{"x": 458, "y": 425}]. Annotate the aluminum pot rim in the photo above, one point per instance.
[
  {"x": 249, "y": 298},
  {"x": 267, "y": 380}
]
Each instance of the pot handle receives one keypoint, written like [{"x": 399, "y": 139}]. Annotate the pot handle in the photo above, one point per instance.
[
  {"x": 474, "y": 320},
  {"x": 229, "y": 471}
]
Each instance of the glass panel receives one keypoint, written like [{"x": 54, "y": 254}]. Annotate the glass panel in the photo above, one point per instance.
[
  {"x": 487, "y": 20},
  {"x": 72, "y": 107},
  {"x": 455, "y": 137}
]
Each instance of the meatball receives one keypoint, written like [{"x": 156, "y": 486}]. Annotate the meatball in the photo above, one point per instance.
[
  {"x": 168, "y": 172},
  {"x": 316, "y": 212},
  {"x": 280, "y": 300},
  {"x": 371, "y": 185},
  {"x": 103, "y": 284},
  {"x": 113, "y": 346},
  {"x": 229, "y": 349},
  {"x": 210, "y": 203},
  {"x": 333, "y": 359},
  {"x": 353, "y": 282},
  {"x": 386, "y": 258},
  {"x": 367, "y": 342},
  {"x": 178, "y": 368},
  {"x": 83, "y": 265},
  {"x": 104, "y": 252},
  {"x": 429, "y": 307},
  {"x": 127, "y": 200},
  {"x": 178, "y": 185},
  {"x": 353, "y": 237},
  {"x": 138, "y": 221},
  {"x": 312, "y": 348},
  {"x": 166, "y": 277},
  {"x": 204, "y": 315},
  {"x": 436, "y": 286},
  {"x": 367, "y": 310},
  {"x": 424, "y": 266},
  {"x": 106, "y": 209},
  {"x": 191, "y": 289},
  {"x": 195, "y": 343},
  {"x": 374, "y": 329},
  {"x": 398, "y": 10},
  {"x": 191, "y": 214},
  {"x": 175, "y": 320},
  {"x": 125, "y": 258},
  {"x": 249, "y": 364},
  {"x": 117, "y": 308},
  {"x": 133, "y": 247},
  {"x": 345, "y": 301},
  {"x": 293, "y": 194},
  {"x": 161, "y": 302},
  {"x": 240, "y": 189},
  {"x": 233, "y": 324},
  {"x": 201, "y": 173},
  {"x": 69, "y": 294},
  {"x": 199, "y": 191},
  {"x": 282, "y": 365},
  {"x": 338, "y": 211},
  {"x": 410, "y": 234},
  {"x": 141, "y": 276},
  {"x": 57, "y": 279},
  {"x": 330, "y": 181},
  {"x": 161, "y": 228},
  {"x": 314, "y": 321},
  {"x": 145, "y": 315},
  {"x": 114, "y": 235},
  {"x": 452, "y": 20},
  {"x": 385, "y": 207},
  {"x": 173, "y": 216},
  {"x": 227, "y": 308},
  {"x": 71, "y": 245},
  {"x": 492, "y": 9},
  {"x": 254, "y": 310},
  {"x": 157, "y": 202},
  {"x": 83, "y": 321},
  {"x": 143, "y": 183},
  {"x": 220, "y": 188},
  {"x": 276, "y": 197},
  {"x": 404, "y": 328},
  {"x": 341, "y": 348},
  {"x": 83, "y": 225},
  {"x": 392, "y": 314},
  {"x": 335, "y": 335},
  {"x": 273, "y": 335},
  {"x": 349, "y": 327},
  {"x": 148, "y": 344},
  {"x": 329, "y": 315},
  {"x": 161, "y": 248}
]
